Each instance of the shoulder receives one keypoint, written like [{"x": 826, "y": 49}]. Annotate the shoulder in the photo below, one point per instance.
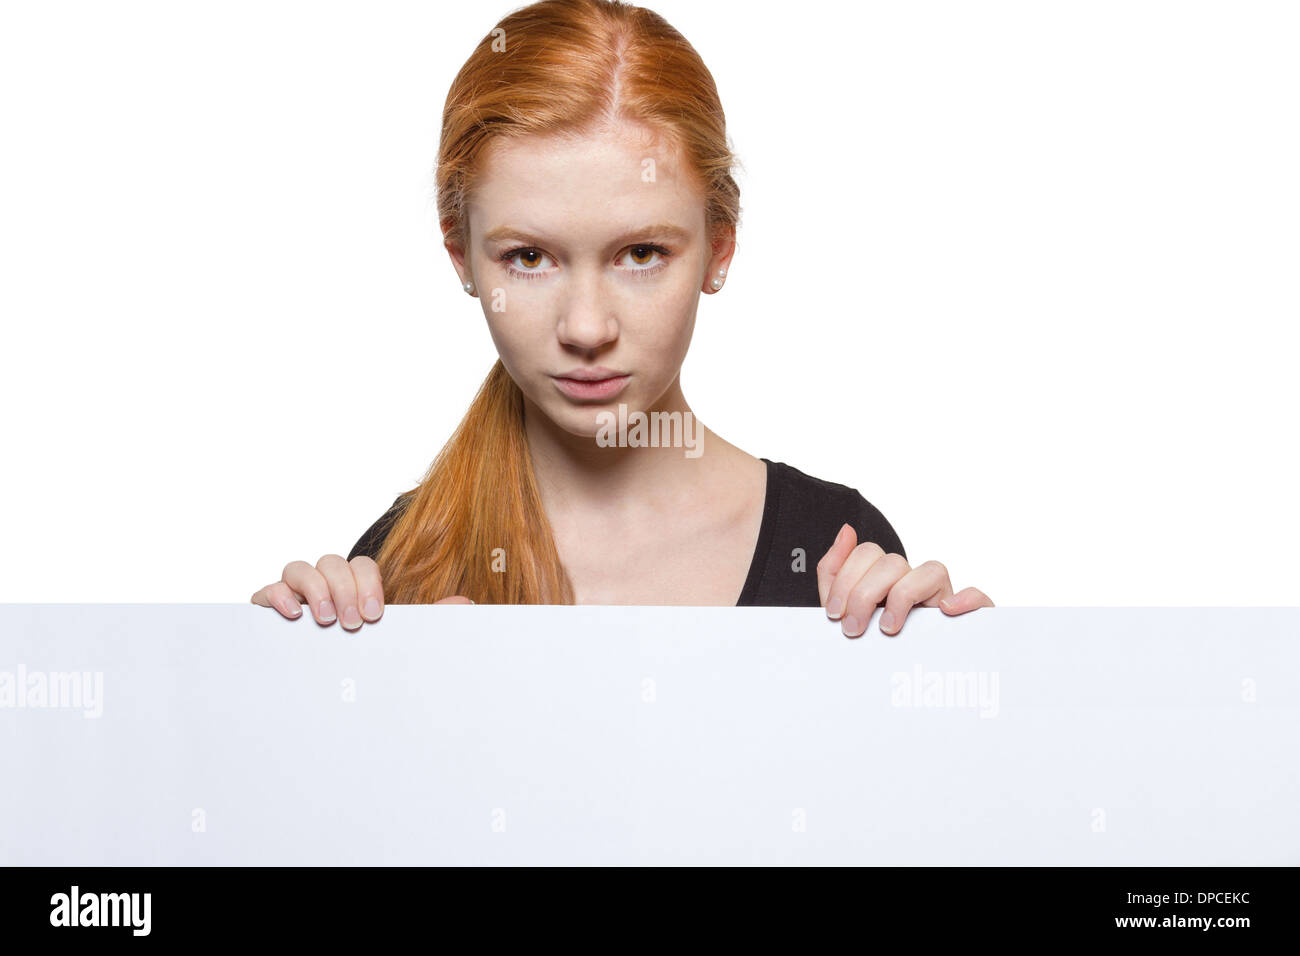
[
  {"x": 801, "y": 518},
  {"x": 822, "y": 506},
  {"x": 373, "y": 538}
]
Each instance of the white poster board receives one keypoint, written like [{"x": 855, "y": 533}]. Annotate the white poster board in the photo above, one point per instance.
[{"x": 225, "y": 734}]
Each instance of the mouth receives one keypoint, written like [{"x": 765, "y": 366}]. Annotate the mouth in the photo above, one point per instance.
[{"x": 594, "y": 384}]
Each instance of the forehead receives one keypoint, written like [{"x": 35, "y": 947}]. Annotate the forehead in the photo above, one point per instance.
[{"x": 585, "y": 185}]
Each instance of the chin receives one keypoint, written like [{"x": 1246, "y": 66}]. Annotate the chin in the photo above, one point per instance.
[
  {"x": 585, "y": 419},
  {"x": 582, "y": 422}
]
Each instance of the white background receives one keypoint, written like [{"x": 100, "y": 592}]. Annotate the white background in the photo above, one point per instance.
[{"x": 1025, "y": 274}]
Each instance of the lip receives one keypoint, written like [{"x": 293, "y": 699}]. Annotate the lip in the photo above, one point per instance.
[
  {"x": 598, "y": 383},
  {"x": 596, "y": 373}
]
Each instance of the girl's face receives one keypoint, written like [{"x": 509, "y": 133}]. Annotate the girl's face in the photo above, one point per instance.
[{"x": 589, "y": 256}]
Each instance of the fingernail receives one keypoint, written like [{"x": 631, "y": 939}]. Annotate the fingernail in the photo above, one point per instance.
[
  {"x": 293, "y": 609},
  {"x": 327, "y": 611},
  {"x": 851, "y": 628},
  {"x": 833, "y": 607},
  {"x": 887, "y": 621},
  {"x": 372, "y": 608},
  {"x": 946, "y": 604},
  {"x": 351, "y": 617}
]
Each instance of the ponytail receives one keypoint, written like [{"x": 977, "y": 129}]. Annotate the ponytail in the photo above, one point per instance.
[{"x": 475, "y": 525}]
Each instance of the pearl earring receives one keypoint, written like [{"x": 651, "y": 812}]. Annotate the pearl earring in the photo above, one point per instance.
[
  {"x": 469, "y": 287},
  {"x": 717, "y": 283}
]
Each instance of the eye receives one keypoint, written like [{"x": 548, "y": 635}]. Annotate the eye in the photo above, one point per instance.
[
  {"x": 647, "y": 258},
  {"x": 530, "y": 260},
  {"x": 641, "y": 255}
]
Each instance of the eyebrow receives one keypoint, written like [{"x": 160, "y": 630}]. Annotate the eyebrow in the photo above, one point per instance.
[{"x": 660, "y": 230}]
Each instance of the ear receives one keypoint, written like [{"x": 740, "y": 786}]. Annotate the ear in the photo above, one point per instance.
[
  {"x": 722, "y": 248},
  {"x": 454, "y": 244}
]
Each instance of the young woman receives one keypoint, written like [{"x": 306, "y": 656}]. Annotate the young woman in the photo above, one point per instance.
[{"x": 586, "y": 198}]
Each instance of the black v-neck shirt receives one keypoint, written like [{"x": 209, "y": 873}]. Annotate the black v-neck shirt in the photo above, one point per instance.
[{"x": 801, "y": 517}]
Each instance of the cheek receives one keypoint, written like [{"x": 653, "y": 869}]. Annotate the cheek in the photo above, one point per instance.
[
  {"x": 517, "y": 354},
  {"x": 664, "y": 326},
  {"x": 515, "y": 340}
]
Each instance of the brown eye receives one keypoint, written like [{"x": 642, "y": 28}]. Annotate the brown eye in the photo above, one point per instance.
[
  {"x": 641, "y": 254},
  {"x": 530, "y": 254}
]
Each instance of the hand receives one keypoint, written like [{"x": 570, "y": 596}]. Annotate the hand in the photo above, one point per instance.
[
  {"x": 333, "y": 583},
  {"x": 853, "y": 578}
]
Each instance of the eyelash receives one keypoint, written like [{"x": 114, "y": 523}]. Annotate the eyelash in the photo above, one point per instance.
[{"x": 505, "y": 257}]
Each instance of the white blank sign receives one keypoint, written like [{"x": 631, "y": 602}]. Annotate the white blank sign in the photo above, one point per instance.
[{"x": 225, "y": 734}]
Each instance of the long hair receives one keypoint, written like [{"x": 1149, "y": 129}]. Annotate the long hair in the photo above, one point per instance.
[{"x": 475, "y": 524}]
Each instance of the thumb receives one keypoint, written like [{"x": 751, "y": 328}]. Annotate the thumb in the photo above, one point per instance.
[
  {"x": 458, "y": 599},
  {"x": 834, "y": 559}
]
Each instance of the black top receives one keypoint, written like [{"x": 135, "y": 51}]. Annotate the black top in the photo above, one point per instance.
[{"x": 799, "y": 512}]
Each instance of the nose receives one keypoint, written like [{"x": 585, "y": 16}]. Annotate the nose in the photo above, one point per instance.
[{"x": 587, "y": 321}]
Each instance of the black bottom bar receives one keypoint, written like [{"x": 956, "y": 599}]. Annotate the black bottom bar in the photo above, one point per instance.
[{"x": 1166, "y": 906}]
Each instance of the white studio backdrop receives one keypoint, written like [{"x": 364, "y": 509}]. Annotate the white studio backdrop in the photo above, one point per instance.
[{"x": 1023, "y": 273}]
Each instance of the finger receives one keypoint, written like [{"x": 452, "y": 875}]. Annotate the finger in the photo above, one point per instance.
[
  {"x": 967, "y": 599},
  {"x": 370, "y": 590},
  {"x": 343, "y": 589},
  {"x": 855, "y": 566},
  {"x": 313, "y": 589},
  {"x": 280, "y": 597},
  {"x": 834, "y": 559},
  {"x": 926, "y": 584},
  {"x": 870, "y": 590}
]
